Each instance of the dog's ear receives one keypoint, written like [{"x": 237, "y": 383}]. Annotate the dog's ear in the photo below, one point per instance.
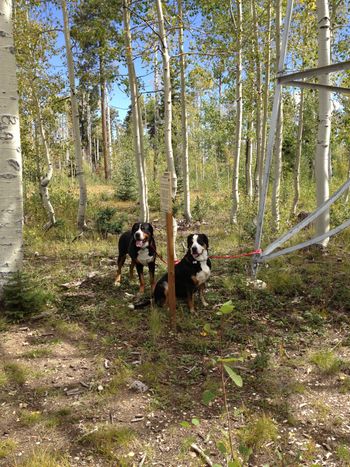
[
  {"x": 150, "y": 228},
  {"x": 189, "y": 240},
  {"x": 205, "y": 239},
  {"x": 135, "y": 227}
]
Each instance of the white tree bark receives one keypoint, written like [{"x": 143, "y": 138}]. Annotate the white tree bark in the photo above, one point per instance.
[
  {"x": 75, "y": 121},
  {"x": 267, "y": 84},
  {"x": 167, "y": 97},
  {"x": 258, "y": 172},
  {"x": 138, "y": 135},
  {"x": 276, "y": 216},
  {"x": 11, "y": 196},
  {"x": 184, "y": 125},
  {"x": 46, "y": 179},
  {"x": 239, "y": 112},
  {"x": 298, "y": 154},
  {"x": 324, "y": 119}
]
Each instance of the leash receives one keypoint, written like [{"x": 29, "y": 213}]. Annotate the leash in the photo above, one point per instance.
[{"x": 241, "y": 255}]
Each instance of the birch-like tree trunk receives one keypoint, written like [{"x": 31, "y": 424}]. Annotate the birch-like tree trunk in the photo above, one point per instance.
[
  {"x": 105, "y": 145},
  {"x": 296, "y": 181},
  {"x": 324, "y": 119},
  {"x": 46, "y": 179},
  {"x": 184, "y": 129},
  {"x": 75, "y": 122},
  {"x": 11, "y": 196},
  {"x": 138, "y": 146},
  {"x": 239, "y": 112},
  {"x": 276, "y": 216},
  {"x": 258, "y": 172},
  {"x": 267, "y": 83},
  {"x": 167, "y": 97}
]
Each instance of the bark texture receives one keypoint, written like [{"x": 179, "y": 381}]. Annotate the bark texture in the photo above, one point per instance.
[
  {"x": 239, "y": 115},
  {"x": 11, "y": 196},
  {"x": 76, "y": 124},
  {"x": 184, "y": 125},
  {"x": 324, "y": 119},
  {"x": 136, "y": 115}
]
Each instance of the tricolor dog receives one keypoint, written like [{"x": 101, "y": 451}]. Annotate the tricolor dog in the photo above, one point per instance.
[
  {"x": 191, "y": 273},
  {"x": 140, "y": 245}
]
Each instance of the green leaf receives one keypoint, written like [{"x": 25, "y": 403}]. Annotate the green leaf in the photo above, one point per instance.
[
  {"x": 195, "y": 422},
  {"x": 226, "y": 307},
  {"x": 208, "y": 329},
  {"x": 208, "y": 396},
  {"x": 185, "y": 424},
  {"x": 234, "y": 463},
  {"x": 231, "y": 359},
  {"x": 234, "y": 376},
  {"x": 221, "y": 447},
  {"x": 217, "y": 465}
]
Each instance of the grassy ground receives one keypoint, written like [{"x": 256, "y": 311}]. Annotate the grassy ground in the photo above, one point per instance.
[{"x": 70, "y": 382}]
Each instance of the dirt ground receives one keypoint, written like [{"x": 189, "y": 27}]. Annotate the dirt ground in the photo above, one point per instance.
[{"x": 96, "y": 383}]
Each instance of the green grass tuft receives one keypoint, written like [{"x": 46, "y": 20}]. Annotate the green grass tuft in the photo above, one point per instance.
[
  {"x": 7, "y": 446},
  {"x": 327, "y": 362},
  {"x": 107, "y": 440},
  {"x": 259, "y": 431}
]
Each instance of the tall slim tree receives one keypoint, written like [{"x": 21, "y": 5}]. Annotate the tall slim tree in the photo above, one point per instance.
[
  {"x": 239, "y": 113},
  {"x": 167, "y": 97},
  {"x": 184, "y": 129},
  {"x": 279, "y": 130},
  {"x": 136, "y": 114},
  {"x": 324, "y": 118},
  {"x": 11, "y": 196},
  {"x": 75, "y": 120}
]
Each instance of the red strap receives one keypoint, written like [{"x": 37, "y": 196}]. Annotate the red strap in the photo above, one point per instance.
[{"x": 250, "y": 253}]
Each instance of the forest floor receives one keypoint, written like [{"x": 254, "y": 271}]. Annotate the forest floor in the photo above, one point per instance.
[{"x": 95, "y": 383}]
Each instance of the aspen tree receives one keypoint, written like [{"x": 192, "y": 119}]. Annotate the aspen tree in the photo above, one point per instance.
[{"x": 11, "y": 195}]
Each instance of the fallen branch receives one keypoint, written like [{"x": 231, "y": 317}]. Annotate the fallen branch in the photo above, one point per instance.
[{"x": 200, "y": 451}]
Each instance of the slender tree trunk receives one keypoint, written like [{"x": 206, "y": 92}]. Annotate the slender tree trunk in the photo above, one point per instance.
[
  {"x": 167, "y": 97},
  {"x": 75, "y": 121},
  {"x": 89, "y": 134},
  {"x": 324, "y": 116},
  {"x": 184, "y": 130},
  {"x": 298, "y": 154},
  {"x": 239, "y": 112},
  {"x": 11, "y": 196},
  {"x": 105, "y": 145},
  {"x": 248, "y": 160},
  {"x": 276, "y": 215},
  {"x": 258, "y": 172},
  {"x": 267, "y": 83},
  {"x": 156, "y": 118},
  {"x": 144, "y": 212},
  {"x": 167, "y": 109},
  {"x": 45, "y": 181},
  {"x": 141, "y": 134},
  {"x": 109, "y": 134}
]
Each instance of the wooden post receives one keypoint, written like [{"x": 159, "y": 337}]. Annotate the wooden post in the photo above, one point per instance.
[{"x": 166, "y": 206}]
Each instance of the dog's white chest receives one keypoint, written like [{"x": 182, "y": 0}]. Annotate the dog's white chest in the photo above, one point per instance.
[
  {"x": 203, "y": 275},
  {"x": 143, "y": 257}
]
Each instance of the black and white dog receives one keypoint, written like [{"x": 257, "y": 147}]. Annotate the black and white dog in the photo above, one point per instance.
[
  {"x": 141, "y": 247},
  {"x": 191, "y": 273}
]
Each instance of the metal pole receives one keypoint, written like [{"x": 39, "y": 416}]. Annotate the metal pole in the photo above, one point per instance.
[{"x": 271, "y": 140}]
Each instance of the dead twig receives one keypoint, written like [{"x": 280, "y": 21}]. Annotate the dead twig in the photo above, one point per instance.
[{"x": 200, "y": 451}]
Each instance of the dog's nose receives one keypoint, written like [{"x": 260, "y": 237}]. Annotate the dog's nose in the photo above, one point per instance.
[{"x": 194, "y": 249}]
